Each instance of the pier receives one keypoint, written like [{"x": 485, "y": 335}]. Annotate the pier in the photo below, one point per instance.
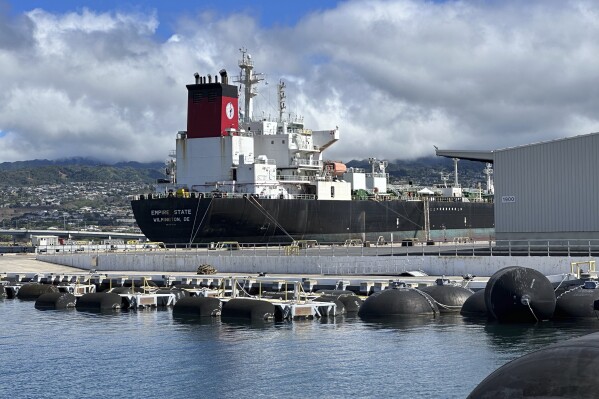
[
  {"x": 362, "y": 269},
  {"x": 479, "y": 258}
]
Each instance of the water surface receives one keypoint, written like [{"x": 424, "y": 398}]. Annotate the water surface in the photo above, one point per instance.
[{"x": 151, "y": 354}]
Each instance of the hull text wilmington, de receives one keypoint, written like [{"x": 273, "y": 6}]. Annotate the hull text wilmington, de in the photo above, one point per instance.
[{"x": 235, "y": 178}]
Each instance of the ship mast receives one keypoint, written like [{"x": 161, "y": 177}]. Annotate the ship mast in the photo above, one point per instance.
[
  {"x": 455, "y": 172},
  {"x": 247, "y": 78},
  {"x": 489, "y": 172},
  {"x": 281, "y": 91},
  {"x": 427, "y": 219}
]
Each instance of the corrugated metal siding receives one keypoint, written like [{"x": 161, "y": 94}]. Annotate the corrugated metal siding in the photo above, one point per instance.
[{"x": 555, "y": 185}]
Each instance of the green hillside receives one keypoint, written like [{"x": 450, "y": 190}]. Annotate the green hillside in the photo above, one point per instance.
[
  {"x": 38, "y": 172},
  {"x": 30, "y": 175}
]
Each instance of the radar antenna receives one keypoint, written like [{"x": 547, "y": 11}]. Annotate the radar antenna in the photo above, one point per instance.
[
  {"x": 377, "y": 166},
  {"x": 444, "y": 178}
]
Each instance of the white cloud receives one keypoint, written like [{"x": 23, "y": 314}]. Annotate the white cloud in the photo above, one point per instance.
[{"x": 395, "y": 76}]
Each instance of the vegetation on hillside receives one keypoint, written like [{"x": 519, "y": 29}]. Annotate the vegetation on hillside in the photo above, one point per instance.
[
  {"x": 30, "y": 173},
  {"x": 56, "y": 174}
]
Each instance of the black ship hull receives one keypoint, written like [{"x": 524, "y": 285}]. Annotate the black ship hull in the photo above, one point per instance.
[{"x": 178, "y": 220}]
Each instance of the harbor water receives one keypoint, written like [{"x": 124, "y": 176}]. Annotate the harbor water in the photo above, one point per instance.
[{"x": 152, "y": 354}]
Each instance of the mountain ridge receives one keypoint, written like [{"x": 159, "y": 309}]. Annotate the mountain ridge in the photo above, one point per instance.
[{"x": 43, "y": 171}]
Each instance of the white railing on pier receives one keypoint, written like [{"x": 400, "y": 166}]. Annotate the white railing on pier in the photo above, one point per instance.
[{"x": 460, "y": 247}]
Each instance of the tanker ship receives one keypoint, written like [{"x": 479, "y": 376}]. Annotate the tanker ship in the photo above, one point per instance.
[{"x": 237, "y": 178}]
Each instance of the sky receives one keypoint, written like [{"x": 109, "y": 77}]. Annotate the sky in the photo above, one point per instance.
[{"x": 106, "y": 79}]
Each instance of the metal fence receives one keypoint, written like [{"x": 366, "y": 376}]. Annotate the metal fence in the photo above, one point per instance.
[{"x": 555, "y": 247}]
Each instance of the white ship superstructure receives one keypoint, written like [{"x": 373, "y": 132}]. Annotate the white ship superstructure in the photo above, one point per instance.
[{"x": 270, "y": 158}]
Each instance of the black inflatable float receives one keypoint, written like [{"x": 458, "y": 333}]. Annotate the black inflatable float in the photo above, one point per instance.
[
  {"x": 578, "y": 301},
  {"x": 398, "y": 302},
  {"x": 198, "y": 306},
  {"x": 55, "y": 300},
  {"x": 179, "y": 294},
  {"x": 249, "y": 309},
  {"x": 564, "y": 370},
  {"x": 519, "y": 294},
  {"x": 448, "y": 297},
  {"x": 352, "y": 303},
  {"x": 32, "y": 291},
  {"x": 99, "y": 301},
  {"x": 11, "y": 292},
  {"x": 339, "y": 306},
  {"x": 475, "y": 305}
]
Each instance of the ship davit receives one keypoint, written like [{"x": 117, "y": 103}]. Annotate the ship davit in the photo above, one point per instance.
[
  {"x": 519, "y": 294},
  {"x": 400, "y": 301},
  {"x": 564, "y": 370}
]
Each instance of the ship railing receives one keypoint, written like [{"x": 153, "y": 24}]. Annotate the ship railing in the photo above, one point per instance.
[
  {"x": 265, "y": 161},
  {"x": 386, "y": 197},
  {"x": 445, "y": 199},
  {"x": 307, "y": 147},
  {"x": 355, "y": 170},
  {"x": 303, "y": 196},
  {"x": 290, "y": 130},
  {"x": 460, "y": 199},
  {"x": 383, "y": 175},
  {"x": 466, "y": 246},
  {"x": 306, "y": 162},
  {"x": 478, "y": 200},
  {"x": 304, "y": 178},
  {"x": 295, "y": 178},
  {"x": 198, "y": 195}
]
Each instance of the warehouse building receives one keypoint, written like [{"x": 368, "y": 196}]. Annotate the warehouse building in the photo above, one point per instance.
[{"x": 544, "y": 191}]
